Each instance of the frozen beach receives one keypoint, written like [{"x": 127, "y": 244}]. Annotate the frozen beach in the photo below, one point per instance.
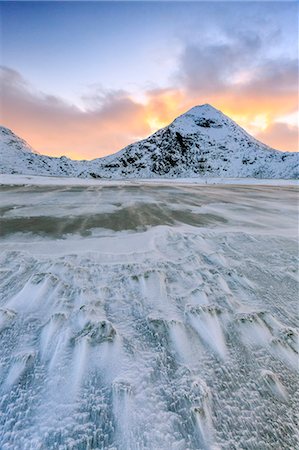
[{"x": 148, "y": 315}]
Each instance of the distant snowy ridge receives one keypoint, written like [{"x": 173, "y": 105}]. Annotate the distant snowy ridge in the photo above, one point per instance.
[
  {"x": 17, "y": 157},
  {"x": 203, "y": 142}
]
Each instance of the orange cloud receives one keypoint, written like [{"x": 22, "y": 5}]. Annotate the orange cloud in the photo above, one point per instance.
[
  {"x": 163, "y": 105},
  {"x": 57, "y": 128},
  {"x": 280, "y": 135},
  {"x": 257, "y": 115}
]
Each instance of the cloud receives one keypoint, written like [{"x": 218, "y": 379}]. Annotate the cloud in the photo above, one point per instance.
[
  {"x": 280, "y": 135},
  {"x": 209, "y": 67},
  {"x": 237, "y": 65},
  {"x": 56, "y": 127},
  {"x": 243, "y": 60},
  {"x": 254, "y": 95},
  {"x": 235, "y": 73}
]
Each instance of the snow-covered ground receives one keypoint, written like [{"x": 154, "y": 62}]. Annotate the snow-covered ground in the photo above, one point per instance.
[
  {"x": 19, "y": 180},
  {"x": 148, "y": 316}
]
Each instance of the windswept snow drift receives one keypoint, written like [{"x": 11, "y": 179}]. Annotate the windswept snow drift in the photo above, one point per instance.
[
  {"x": 201, "y": 143},
  {"x": 148, "y": 317}
]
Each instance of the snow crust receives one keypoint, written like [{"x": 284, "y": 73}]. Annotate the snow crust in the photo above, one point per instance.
[
  {"x": 145, "y": 316},
  {"x": 201, "y": 143}
]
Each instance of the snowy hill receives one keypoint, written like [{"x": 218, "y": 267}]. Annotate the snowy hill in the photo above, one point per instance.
[
  {"x": 17, "y": 157},
  {"x": 203, "y": 142}
]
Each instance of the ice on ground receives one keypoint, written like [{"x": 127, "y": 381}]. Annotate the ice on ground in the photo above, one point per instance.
[{"x": 145, "y": 316}]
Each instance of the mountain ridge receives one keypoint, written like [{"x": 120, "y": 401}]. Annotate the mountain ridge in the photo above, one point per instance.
[{"x": 202, "y": 142}]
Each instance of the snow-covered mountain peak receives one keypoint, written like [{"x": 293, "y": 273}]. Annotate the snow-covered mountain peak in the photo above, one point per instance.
[
  {"x": 205, "y": 110},
  {"x": 204, "y": 119},
  {"x": 203, "y": 142}
]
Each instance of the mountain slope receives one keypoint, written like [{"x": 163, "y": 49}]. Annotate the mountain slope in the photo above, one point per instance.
[
  {"x": 17, "y": 157},
  {"x": 202, "y": 142}
]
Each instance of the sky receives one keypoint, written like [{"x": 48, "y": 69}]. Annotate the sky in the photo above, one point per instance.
[{"x": 84, "y": 79}]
